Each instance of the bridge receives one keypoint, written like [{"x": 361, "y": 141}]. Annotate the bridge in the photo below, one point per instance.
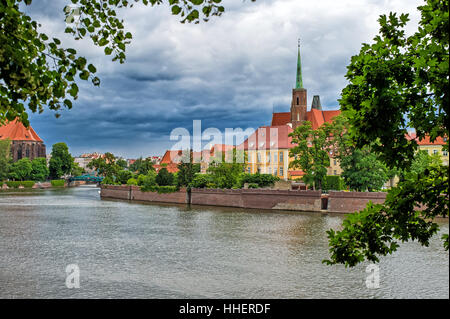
[{"x": 87, "y": 178}]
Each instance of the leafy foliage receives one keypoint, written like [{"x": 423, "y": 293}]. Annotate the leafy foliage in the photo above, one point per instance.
[
  {"x": 310, "y": 153},
  {"x": 36, "y": 70},
  {"x": 21, "y": 170},
  {"x": 397, "y": 83},
  {"x": 106, "y": 166},
  {"x": 142, "y": 166},
  {"x": 4, "y": 158},
  {"x": 261, "y": 180},
  {"x": 39, "y": 169},
  {"x": 333, "y": 182},
  {"x": 164, "y": 178},
  {"x": 187, "y": 171},
  {"x": 61, "y": 161},
  {"x": 57, "y": 182},
  {"x": 123, "y": 176}
]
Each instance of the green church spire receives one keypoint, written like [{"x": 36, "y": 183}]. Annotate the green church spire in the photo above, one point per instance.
[{"x": 299, "y": 81}]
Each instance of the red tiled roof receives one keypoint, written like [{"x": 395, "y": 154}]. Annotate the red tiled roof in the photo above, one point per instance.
[
  {"x": 426, "y": 140},
  {"x": 282, "y": 118},
  {"x": 16, "y": 131},
  {"x": 296, "y": 173},
  {"x": 315, "y": 116},
  {"x": 171, "y": 168},
  {"x": 328, "y": 115},
  {"x": 269, "y": 137}
]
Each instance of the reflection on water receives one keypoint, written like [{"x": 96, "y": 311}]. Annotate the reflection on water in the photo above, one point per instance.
[{"x": 130, "y": 250}]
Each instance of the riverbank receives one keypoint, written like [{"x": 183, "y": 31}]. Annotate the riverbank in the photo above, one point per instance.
[
  {"x": 43, "y": 185},
  {"x": 292, "y": 200}
]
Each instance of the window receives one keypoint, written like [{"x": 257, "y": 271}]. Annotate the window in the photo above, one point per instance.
[
  {"x": 435, "y": 151},
  {"x": 274, "y": 171},
  {"x": 335, "y": 172},
  {"x": 249, "y": 170},
  {"x": 270, "y": 170},
  {"x": 334, "y": 162},
  {"x": 281, "y": 171},
  {"x": 259, "y": 170},
  {"x": 445, "y": 153},
  {"x": 281, "y": 156},
  {"x": 258, "y": 157},
  {"x": 297, "y": 100}
]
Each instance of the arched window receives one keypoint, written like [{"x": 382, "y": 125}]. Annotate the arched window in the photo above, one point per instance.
[{"x": 297, "y": 100}]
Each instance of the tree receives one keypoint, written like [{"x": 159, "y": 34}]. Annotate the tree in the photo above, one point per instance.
[
  {"x": 5, "y": 146},
  {"x": 395, "y": 84},
  {"x": 422, "y": 161},
  {"x": 61, "y": 161},
  {"x": 361, "y": 168},
  {"x": 21, "y": 170},
  {"x": 123, "y": 176},
  {"x": 187, "y": 169},
  {"x": 37, "y": 70},
  {"x": 122, "y": 163},
  {"x": 164, "y": 178},
  {"x": 77, "y": 170},
  {"x": 39, "y": 169},
  {"x": 142, "y": 166},
  {"x": 105, "y": 166},
  {"x": 226, "y": 173},
  {"x": 310, "y": 153}
]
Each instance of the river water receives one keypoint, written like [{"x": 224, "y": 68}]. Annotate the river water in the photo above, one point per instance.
[{"x": 133, "y": 250}]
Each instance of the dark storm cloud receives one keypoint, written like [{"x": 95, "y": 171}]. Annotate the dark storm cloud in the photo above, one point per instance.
[{"x": 230, "y": 72}]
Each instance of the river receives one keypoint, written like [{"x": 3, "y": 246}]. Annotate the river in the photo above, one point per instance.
[{"x": 134, "y": 250}]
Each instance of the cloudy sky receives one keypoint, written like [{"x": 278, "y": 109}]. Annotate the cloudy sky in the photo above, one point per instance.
[{"x": 229, "y": 72}]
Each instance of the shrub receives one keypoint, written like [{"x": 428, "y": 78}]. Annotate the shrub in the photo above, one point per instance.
[
  {"x": 132, "y": 181},
  {"x": 262, "y": 180},
  {"x": 27, "y": 184},
  {"x": 164, "y": 178},
  {"x": 108, "y": 180},
  {"x": 253, "y": 185},
  {"x": 201, "y": 181},
  {"x": 140, "y": 179},
  {"x": 123, "y": 176},
  {"x": 58, "y": 182},
  {"x": 13, "y": 184},
  {"x": 160, "y": 189},
  {"x": 333, "y": 182}
]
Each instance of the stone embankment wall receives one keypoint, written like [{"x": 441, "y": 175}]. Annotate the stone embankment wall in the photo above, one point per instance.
[
  {"x": 134, "y": 193},
  {"x": 258, "y": 198},
  {"x": 350, "y": 202},
  {"x": 297, "y": 200}
]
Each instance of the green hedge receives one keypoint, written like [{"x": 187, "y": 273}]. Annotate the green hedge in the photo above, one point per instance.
[
  {"x": 160, "y": 189},
  {"x": 58, "y": 182},
  {"x": 13, "y": 184},
  {"x": 132, "y": 181},
  {"x": 262, "y": 180},
  {"x": 333, "y": 182},
  {"x": 16, "y": 184},
  {"x": 27, "y": 184}
]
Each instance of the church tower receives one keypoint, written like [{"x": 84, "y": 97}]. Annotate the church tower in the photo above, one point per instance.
[{"x": 298, "y": 105}]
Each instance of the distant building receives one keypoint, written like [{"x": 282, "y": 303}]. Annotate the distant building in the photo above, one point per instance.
[
  {"x": 24, "y": 141},
  {"x": 268, "y": 148},
  {"x": 431, "y": 148}
]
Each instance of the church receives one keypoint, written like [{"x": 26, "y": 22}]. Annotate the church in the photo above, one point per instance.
[
  {"x": 268, "y": 147},
  {"x": 24, "y": 141}
]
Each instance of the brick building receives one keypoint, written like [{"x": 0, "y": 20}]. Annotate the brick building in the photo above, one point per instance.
[{"x": 24, "y": 141}]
